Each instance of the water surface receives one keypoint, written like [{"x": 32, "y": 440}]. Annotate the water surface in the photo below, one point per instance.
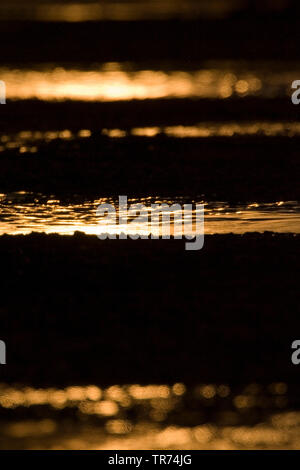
[{"x": 25, "y": 212}]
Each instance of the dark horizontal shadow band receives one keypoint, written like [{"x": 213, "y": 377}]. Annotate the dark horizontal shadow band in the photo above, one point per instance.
[
  {"x": 146, "y": 311},
  {"x": 75, "y": 115},
  {"x": 249, "y": 37}
]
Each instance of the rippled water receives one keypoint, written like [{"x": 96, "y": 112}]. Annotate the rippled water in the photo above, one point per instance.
[
  {"x": 126, "y": 81},
  {"x": 27, "y": 212},
  {"x": 207, "y": 416}
]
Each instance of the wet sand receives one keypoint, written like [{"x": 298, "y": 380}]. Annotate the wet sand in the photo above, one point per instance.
[{"x": 80, "y": 310}]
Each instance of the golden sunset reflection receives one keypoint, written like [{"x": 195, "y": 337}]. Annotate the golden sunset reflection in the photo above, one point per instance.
[
  {"x": 23, "y": 213},
  {"x": 102, "y": 401},
  {"x": 117, "y": 82},
  {"x": 151, "y": 426},
  {"x": 126, "y": 10},
  {"x": 30, "y": 141}
]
